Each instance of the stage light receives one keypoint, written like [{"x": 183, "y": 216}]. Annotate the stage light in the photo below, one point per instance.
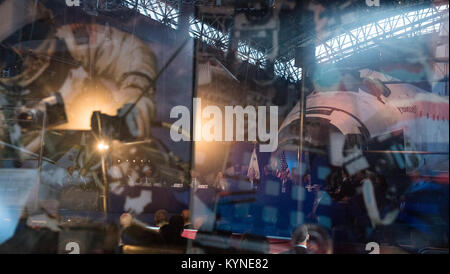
[{"x": 102, "y": 146}]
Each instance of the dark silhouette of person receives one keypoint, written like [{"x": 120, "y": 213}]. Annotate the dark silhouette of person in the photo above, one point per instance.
[
  {"x": 172, "y": 231},
  {"x": 299, "y": 241}
]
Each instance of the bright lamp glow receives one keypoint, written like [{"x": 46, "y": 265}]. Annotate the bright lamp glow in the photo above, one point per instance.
[{"x": 102, "y": 146}]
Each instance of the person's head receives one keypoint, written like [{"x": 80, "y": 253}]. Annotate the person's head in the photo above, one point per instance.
[
  {"x": 219, "y": 175},
  {"x": 300, "y": 235},
  {"x": 319, "y": 241},
  {"x": 307, "y": 178},
  {"x": 148, "y": 171},
  {"x": 70, "y": 170},
  {"x": 252, "y": 173},
  {"x": 126, "y": 220},
  {"x": 185, "y": 215},
  {"x": 161, "y": 217}
]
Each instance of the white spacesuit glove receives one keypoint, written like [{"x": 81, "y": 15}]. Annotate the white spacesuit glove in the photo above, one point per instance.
[{"x": 139, "y": 118}]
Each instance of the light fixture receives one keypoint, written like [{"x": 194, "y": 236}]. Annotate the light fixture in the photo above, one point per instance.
[{"x": 102, "y": 146}]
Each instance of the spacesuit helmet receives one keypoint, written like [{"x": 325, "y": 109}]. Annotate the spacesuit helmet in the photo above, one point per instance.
[{"x": 26, "y": 41}]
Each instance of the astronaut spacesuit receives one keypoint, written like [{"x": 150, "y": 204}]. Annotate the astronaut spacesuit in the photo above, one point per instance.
[{"x": 94, "y": 68}]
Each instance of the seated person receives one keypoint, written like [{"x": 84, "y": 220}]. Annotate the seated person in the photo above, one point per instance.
[
  {"x": 161, "y": 218},
  {"x": 148, "y": 177},
  {"x": 134, "y": 234}
]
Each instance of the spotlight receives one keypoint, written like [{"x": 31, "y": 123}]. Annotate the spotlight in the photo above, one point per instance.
[{"x": 102, "y": 146}]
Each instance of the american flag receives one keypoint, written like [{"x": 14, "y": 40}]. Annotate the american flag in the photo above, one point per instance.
[{"x": 283, "y": 171}]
